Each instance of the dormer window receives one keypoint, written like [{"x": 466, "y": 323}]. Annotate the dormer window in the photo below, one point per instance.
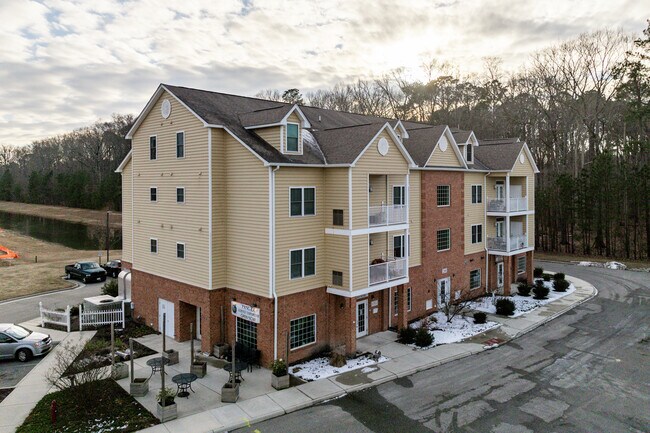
[
  {"x": 469, "y": 152},
  {"x": 292, "y": 137}
]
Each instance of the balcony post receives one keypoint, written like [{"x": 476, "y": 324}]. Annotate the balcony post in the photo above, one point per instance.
[
  {"x": 507, "y": 222},
  {"x": 508, "y": 192}
]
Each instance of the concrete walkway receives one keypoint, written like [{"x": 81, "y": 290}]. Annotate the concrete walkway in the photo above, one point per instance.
[
  {"x": 33, "y": 387},
  {"x": 404, "y": 361}
]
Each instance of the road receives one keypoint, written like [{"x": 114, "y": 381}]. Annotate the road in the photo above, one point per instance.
[{"x": 588, "y": 370}]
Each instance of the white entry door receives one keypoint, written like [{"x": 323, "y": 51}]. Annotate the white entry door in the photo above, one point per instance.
[
  {"x": 362, "y": 318},
  {"x": 444, "y": 290},
  {"x": 167, "y": 308},
  {"x": 198, "y": 323},
  {"x": 500, "y": 275}
]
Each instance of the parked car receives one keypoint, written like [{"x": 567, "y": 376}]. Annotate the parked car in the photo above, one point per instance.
[
  {"x": 21, "y": 343},
  {"x": 86, "y": 271},
  {"x": 113, "y": 268}
]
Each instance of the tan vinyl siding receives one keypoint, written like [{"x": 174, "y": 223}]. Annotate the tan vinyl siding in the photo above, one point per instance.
[
  {"x": 490, "y": 230},
  {"x": 167, "y": 220},
  {"x": 337, "y": 250},
  {"x": 335, "y": 196},
  {"x": 272, "y": 135},
  {"x": 299, "y": 231},
  {"x": 127, "y": 221},
  {"x": 474, "y": 213},
  {"x": 219, "y": 209},
  {"x": 372, "y": 162},
  {"x": 526, "y": 169},
  {"x": 415, "y": 218},
  {"x": 360, "y": 261},
  {"x": 531, "y": 230},
  {"x": 247, "y": 220},
  {"x": 380, "y": 248},
  {"x": 378, "y": 195},
  {"x": 447, "y": 158}
]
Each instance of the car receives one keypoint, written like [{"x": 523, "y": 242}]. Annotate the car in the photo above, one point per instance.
[
  {"x": 113, "y": 268},
  {"x": 21, "y": 343},
  {"x": 88, "y": 272}
]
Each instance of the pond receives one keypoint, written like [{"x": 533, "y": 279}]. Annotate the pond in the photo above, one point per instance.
[{"x": 72, "y": 235}]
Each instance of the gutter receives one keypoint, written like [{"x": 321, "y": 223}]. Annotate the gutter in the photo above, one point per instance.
[
  {"x": 487, "y": 254},
  {"x": 273, "y": 290}
]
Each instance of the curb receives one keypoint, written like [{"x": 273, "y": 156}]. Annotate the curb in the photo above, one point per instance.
[{"x": 78, "y": 285}]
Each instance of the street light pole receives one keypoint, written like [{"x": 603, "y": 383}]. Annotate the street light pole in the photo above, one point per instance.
[{"x": 107, "y": 237}]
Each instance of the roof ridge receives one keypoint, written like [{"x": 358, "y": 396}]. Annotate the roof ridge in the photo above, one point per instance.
[{"x": 353, "y": 126}]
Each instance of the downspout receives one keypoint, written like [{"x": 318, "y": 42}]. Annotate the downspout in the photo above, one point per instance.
[
  {"x": 485, "y": 246},
  {"x": 274, "y": 292}
]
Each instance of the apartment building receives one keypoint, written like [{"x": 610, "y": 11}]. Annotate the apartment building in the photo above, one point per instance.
[{"x": 291, "y": 228}]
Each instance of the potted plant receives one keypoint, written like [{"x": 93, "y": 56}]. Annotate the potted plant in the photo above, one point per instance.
[
  {"x": 139, "y": 386},
  {"x": 221, "y": 350},
  {"x": 172, "y": 355},
  {"x": 280, "y": 376},
  {"x": 230, "y": 389},
  {"x": 166, "y": 405},
  {"x": 199, "y": 368}
]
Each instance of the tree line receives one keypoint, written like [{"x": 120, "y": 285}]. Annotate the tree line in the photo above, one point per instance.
[{"x": 75, "y": 169}]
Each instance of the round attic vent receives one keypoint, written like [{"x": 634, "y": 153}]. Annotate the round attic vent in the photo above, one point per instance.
[
  {"x": 521, "y": 158},
  {"x": 166, "y": 108},
  {"x": 382, "y": 146},
  {"x": 443, "y": 144}
]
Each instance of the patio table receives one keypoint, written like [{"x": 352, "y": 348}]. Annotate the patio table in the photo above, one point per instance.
[
  {"x": 239, "y": 367},
  {"x": 156, "y": 364},
  {"x": 184, "y": 382}
]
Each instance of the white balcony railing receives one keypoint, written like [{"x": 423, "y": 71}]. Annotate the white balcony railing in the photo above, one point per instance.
[
  {"x": 393, "y": 269},
  {"x": 500, "y": 244},
  {"x": 499, "y": 205},
  {"x": 386, "y": 215}
]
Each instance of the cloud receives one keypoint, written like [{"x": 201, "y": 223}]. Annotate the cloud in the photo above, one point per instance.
[{"x": 65, "y": 63}]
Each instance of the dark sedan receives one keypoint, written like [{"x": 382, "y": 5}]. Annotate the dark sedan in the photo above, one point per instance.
[{"x": 113, "y": 268}]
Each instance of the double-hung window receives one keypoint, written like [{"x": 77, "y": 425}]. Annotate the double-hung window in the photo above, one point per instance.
[
  {"x": 303, "y": 201},
  {"x": 475, "y": 279},
  {"x": 303, "y": 331},
  {"x": 292, "y": 137},
  {"x": 477, "y": 194},
  {"x": 521, "y": 264},
  {"x": 153, "y": 246},
  {"x": 398, "y": 195},
  {"x": 396, "y": 302},
  {"x": 443, "y": 239},
  {"x": 477, "y": 233},
  {"x": 443, "y": 195},
  {"x": 153, "y": 150},
  {"x": 180, "y": 250},
  {"x": 303, "y": 262},
  {"x": 398, "y": 246},
  {"x": 469, "y": 152},
  {"x": 153, "y": 193},
  {"x": 180, "y": 195},
  {"x": 180, "y": 145}
]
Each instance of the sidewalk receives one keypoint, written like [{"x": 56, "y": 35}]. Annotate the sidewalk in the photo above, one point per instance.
[
  {"x": 31, "y": 389},
  {"x": 404, "y": 361}
]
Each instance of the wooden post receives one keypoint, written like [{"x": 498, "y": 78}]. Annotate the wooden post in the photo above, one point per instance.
[
  {"x": 191, "y": 343},
  {"x": 162, "y": 366},
  {"x": 232, "y": 364},
  {"x": 224, "y": 339},
  {"x": 112, "y": 347},
  {"x": 131, "y": 358},
  {"x": 286, "y": 359},
  {"x": 67, "y": 314}
]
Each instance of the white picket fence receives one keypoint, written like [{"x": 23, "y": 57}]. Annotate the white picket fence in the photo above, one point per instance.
[
  {"x": 61, "y": 318},
  {"x": 92, "y": 318}
]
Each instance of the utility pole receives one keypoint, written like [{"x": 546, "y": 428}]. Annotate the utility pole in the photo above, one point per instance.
[{"x": 107, "y": 238}]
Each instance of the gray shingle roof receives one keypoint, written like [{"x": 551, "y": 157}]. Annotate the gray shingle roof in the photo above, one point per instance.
[
  {"x": 422, "y": 140},
  {"x": 500, "y": 154},
  {"x": 266, "y": 116}
]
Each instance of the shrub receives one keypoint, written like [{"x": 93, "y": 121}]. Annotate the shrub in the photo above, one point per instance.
[
  {"x": 110, "y": 288},
  {"x": 523, "y": 289},
  {"x": 560, "y": 285},
  {"x": 505, "y": 307},
  {"x": 480, "y": 317},
  {"x": 166, "y": 395},
  {"x": 538, "y": 272},
  {"x": 558, "y": 276},
  {"x": 423, "y": 338},
  {"x": 279, "y": 367},
  {"x": 540, "y": 290},
  {"x": 546, "y": 277},
  {"x": 406, "y": 335}
]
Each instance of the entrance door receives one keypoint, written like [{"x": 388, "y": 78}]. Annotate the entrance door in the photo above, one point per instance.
[
  {"x": 362, "y": 318},
  {"x": 198, "y": 323},
  {"x": 500, "y": 275},
  {"x": 166, "y": 307},
  {"x": 444, "y": 291}
]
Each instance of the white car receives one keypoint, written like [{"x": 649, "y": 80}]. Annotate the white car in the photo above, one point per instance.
[{"x": 21, "y": 343}]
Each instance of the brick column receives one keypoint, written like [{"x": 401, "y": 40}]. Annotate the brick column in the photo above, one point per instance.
[
  {"x": 507, "y": 274},
  {"x": 402, "y": 319},
  {"x": 350, "y": 325},
  {"x": 385, "y": 306}
]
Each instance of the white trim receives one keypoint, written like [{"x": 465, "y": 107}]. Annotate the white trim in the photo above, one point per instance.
[
  {"x": 405, "y": 133},
  {"x": 302, "y": 263},
  {"x": 210, "y": 256},
  {"x": 149, "y": 147},
  {"x": 466, "y": 170},
  {"x": 367, "y": 290},
  {"x": 153, "y": 239},
  {"x": 439, "y": 230},
  {"x": 365, "y": 231},
  {"x": 184, "y": 141},
  {"x": 471, "y": 234},
  {"x": 403, "y": 187},
  {"x": 156, "y": 200},
  {"x": 479, "y": 278},
  {"x": 266, "y": 163},
  {"x": 127, "y": 158},
  {"x": 284, "y": 143},
  {"x": 525, "y": 149},
  {"x": 350, "y": 225},
  {"x": 511, "y": 253},
  {"x": 303, "y": 118},
  {"x": 403, "y": 256},
  {"x": 440, "y": 301},
  {"x": 471, "y": 193},
  {"x": 302, "y": 202},
  {"x": 184, "y": 251},
  {"x": 365, "y": 318},
  {"x": 395, "y": 138},
  {"x": 291, "y": 349},
  {"x": 449, "y": 195},
  {"x": 525, "y": 265},
  {"x": 512, "y": 214},
  {"x": 450, "y": 137},
  {"x": 184, "y": 197}
]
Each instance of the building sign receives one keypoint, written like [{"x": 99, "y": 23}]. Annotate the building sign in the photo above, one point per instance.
[{"x": 245, "y": 312}]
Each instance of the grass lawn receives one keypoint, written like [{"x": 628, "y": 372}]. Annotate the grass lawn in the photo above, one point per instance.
[{"x": 101, "y": 406}]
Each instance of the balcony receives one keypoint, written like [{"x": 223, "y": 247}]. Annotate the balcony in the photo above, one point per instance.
[
  {"x": 517, "y": 204},
  {"x": 393, "y": 269},
  {"x": 386, "y": 215},
  {"x": 501, "y": 244}
]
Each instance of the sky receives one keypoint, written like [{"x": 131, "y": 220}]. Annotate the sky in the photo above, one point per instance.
[{"x": 67, "y": 63}]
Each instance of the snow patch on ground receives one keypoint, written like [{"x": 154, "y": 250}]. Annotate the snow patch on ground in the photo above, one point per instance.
[
  {"x": 523, "y": 304},
  {"x": 320, "y": 368},
  {"x": 459, "y": 329},
  {"x": 607, "y": 265}
]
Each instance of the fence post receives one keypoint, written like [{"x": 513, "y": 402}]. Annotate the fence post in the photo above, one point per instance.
[
  {"x": 81, "y": 317},
  {"x": 40, "y": 310},
  {"x": 67, "y": 315},
  {"x": 123, "y": 316}
]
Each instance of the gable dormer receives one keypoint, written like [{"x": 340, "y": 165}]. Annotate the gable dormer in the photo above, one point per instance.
[
  {"x": 280, "y": 126},
  {"x": 470, "y": 147},
  {"x": 400, "y": 130}
]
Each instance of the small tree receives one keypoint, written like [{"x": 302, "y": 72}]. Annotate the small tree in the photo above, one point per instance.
[
  {"x": 110, "y": 288},
  {"x": 69, "y": 372},
  {"x": 457, "y": 306}
]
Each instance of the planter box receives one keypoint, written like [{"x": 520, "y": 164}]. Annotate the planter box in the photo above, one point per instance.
[
  {"x": 167, "y": 413},
  {"x": 200, "y": 368},
  {"x": 280, "y": 382},
  {"x": 229, "y": 394},
  {"x": 120, "y": 371},
  {"x": 139, "y": 387},
  {"x": 172, "y": 355},
  {"x": 221, "y": 350}
]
